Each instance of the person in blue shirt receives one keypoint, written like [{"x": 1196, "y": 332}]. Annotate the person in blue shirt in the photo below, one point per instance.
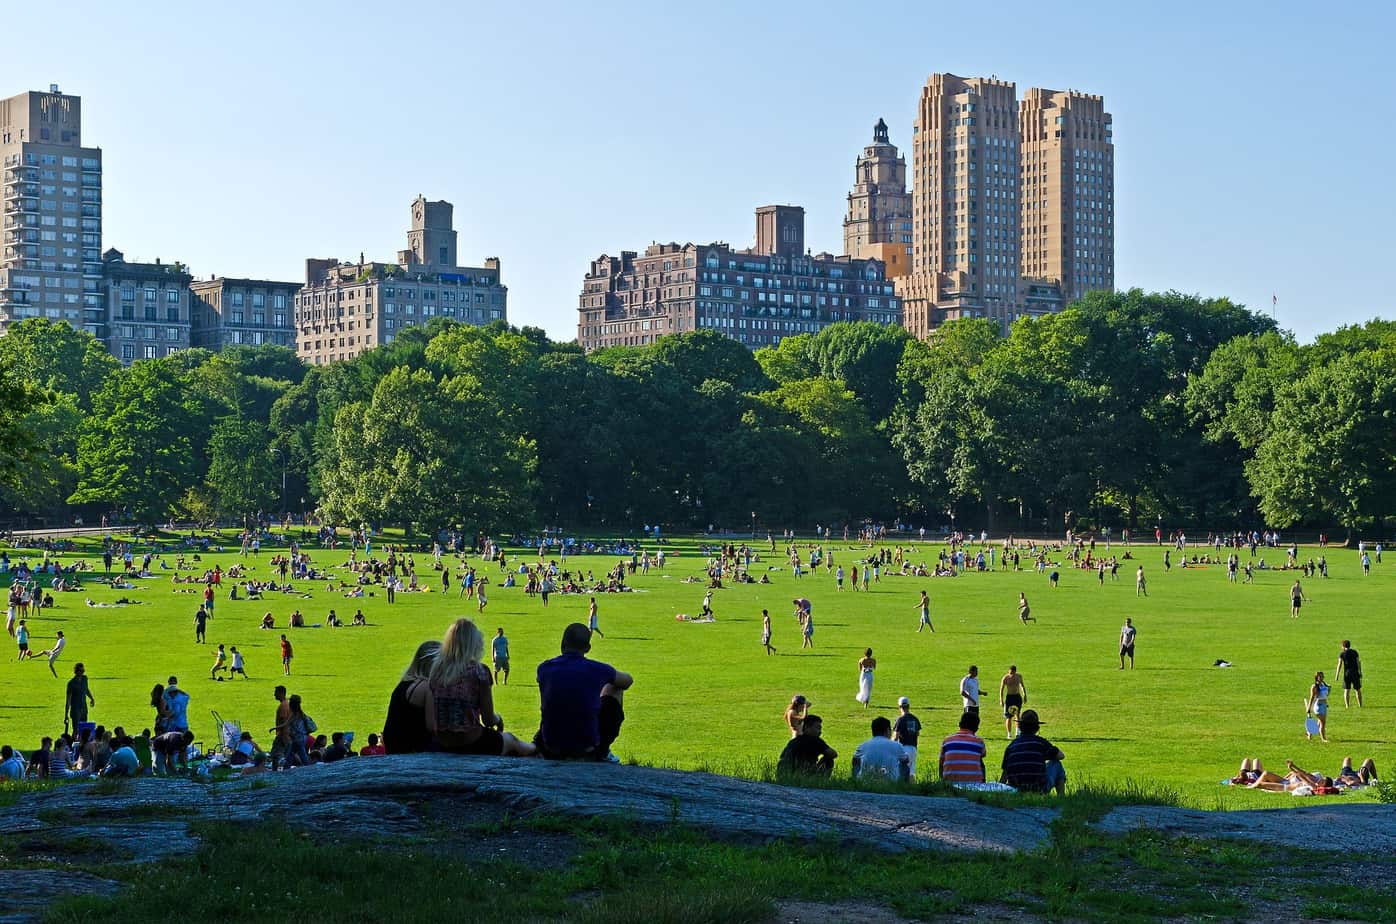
[
  {"x": 581, "y": 702},
  {"x": 177, "y": 702}
]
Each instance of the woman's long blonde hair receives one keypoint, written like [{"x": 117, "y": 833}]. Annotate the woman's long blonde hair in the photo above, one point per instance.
[
  {"x": 462, "y": 647},
  {"x": 422, "y": 661}
]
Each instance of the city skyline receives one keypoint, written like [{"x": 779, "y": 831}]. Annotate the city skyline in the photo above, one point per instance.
[{"x": 297, "y": 148}]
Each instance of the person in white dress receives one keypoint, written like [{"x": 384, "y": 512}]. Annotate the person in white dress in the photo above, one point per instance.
[{"x": 866, "y": 666}]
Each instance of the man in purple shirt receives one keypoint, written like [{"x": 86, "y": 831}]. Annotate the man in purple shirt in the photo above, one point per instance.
[{"x": 581, "y": 702}]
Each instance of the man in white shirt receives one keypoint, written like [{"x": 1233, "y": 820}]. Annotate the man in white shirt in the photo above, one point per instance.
[
  {"x": 59, "y": 644},
  {"x": 880, "y": 756},
  {"x": 969, "y": 690}
]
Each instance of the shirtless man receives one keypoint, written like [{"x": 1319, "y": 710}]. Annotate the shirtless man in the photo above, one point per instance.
[
  {"x": 1024, "y": 613},
  {"x": 924, "y": 607},
  {"x": 1013, "y": 693}
]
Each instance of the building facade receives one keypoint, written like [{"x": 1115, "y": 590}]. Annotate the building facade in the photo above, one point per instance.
[
  {"x": 236, "y": 312},
  {"x": 1012, "y": 204},
  {"x": 877, "y": 224},
  {"x": 147, "y": 307},
  {"x": 346, "y": 308},
  {"x": 757, "y": 296},
  {"x": 51, "y": 240},
  {"x": 1068, "y": 195}
]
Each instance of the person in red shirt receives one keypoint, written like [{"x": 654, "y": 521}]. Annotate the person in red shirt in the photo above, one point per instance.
[
  {"x": 373, "y": 748},
  {"x": 285, "y": 655}
]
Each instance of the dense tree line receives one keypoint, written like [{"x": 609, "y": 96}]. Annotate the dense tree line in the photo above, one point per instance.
[{"x": 1125, "y": 409}]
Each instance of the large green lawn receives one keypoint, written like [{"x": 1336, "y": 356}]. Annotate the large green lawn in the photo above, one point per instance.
[{"x": 707, "y": 694}]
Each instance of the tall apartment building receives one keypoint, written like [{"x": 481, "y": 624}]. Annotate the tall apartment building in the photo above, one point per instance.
[
  {"x": 1068, "y": 200},
  {"x": 878, "y": 222},
  {"x": 1012, "y": 205},
  {"x": 252, "y": 312},
  {"x": 147, "y": 311},
  {"x": 757, "y": 296},
  {"x": 965, "y": 250},
  {"x": 346, "y": 308},
  {"x": 50, "y": 248}
]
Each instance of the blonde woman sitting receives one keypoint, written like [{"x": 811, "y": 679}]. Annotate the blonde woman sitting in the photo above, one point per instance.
[{"x": 458, "y": 701}]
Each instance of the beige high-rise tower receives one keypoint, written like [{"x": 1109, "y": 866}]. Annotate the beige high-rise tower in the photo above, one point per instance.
[
  {"x": 50, "y": 249},
  {"x": 965, "y": 242},
  {"x": 878, "y": 222},
  {"x": 1068, "y": 192}
]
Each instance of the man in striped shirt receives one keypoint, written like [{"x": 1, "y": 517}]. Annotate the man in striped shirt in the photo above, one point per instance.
[{"x": 962, "y": 754}]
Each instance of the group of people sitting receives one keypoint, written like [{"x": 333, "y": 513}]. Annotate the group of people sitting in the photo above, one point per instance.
[
  {"x": 297, "y": 620},
  {"x": 444, "y": 701},
  {"x": 1031, "y": 763},
  {"x": 1300, "y": 782},
  {"x": 97, "y": 752}
]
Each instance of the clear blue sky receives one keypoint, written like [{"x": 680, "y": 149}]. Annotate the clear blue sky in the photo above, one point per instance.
[{"x": 1253, "y": 140}]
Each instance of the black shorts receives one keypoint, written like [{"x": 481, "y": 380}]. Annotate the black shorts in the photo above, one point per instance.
[
  {"x": 1352, "y": 683},
  {"x": 1296, "y": 602},
  {"x": 1012, "y": 705},
  {"x": 1127, "y": 650},
  {"x": 489, "y": 744}
]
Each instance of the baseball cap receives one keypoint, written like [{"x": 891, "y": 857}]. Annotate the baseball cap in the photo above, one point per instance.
[
  {"x": 903, "y": 702},
  {"x": 174, "y": 681}
]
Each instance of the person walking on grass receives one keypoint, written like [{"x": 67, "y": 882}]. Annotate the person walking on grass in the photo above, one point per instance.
[
  {"x": 925, "y": 607},
  {"x": 969, "y": 691},
  {"x": 766, "y": 633},
  {"x": 1140, "y": 588},
  {"x": 1349, "y": 671},
  {"x": 1297, "y": 598},
  {"x": 201, "y": 619},
  {"x": 866, "y": 665},
  {"x": 499, "y": 654},
  {"x": 481, "y": 599},
  {"x": 1316, "y": 703},
  {"x": 1013, "y": 693},
  {"x": 906, "y": 731},
  {"x": 1024, "y": 611},
  {"x": 77, "y": 697},
  {"x": 592, "y": 620},
  {"x": 286, "y": 654}
]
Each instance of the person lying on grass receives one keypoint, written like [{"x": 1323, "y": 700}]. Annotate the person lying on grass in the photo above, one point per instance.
[
  {"x": 1294, "y": 779},
  {"x": 1366, "y": 775}
]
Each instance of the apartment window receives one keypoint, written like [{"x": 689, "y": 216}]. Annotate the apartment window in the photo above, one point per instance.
[
  {"x": 172, "y": 314},
  {"x": 279, "y": 319},
  {"x": 235, "y": 317},
  {"x": 237, "y": 300},
  {"x": 128, "y": 351},
  {"x": 258, "y": 300},
  {"x": 278, "y": 301}
]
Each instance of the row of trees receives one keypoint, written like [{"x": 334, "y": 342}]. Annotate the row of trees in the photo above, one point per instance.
[{"x": 1126, "y": 408}]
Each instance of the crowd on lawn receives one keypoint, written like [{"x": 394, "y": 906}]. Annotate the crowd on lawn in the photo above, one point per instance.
[
  {"x": 443, "y": 703},
  {"x": 444, "y": 700}
]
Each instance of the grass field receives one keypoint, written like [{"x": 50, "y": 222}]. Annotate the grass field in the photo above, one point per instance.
[{"x": 707, "y": 695}]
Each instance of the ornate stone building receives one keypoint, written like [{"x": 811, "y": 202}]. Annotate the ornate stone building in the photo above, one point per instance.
[{"x": 756, "y": 296}]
